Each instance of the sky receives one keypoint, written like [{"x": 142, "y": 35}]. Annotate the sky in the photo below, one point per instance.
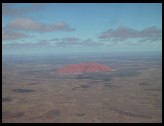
[{"x": 61, "y": 28}]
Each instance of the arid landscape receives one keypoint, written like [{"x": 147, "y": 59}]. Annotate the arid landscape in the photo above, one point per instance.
[{"x": 33, "y": 92}]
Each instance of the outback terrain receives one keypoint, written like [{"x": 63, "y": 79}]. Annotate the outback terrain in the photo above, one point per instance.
[{"x": 32, "y": 91}]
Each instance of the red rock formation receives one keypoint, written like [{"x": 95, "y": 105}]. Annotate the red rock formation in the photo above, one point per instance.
[{"x": 83, "y": 68}]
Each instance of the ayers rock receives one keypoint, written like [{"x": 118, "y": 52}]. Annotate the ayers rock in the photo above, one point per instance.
[{"x": 83, "y": 68}]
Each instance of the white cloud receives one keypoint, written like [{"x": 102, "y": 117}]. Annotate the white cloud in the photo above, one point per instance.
[
  {"x": 10, "y": 35},
  {"x": 28, "y": 24}
]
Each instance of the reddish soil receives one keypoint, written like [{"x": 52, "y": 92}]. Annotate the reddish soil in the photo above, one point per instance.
[{"x": 83, "y": 68}]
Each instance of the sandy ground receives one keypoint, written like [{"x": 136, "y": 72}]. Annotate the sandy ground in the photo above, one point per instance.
[{"x": 37, "y": 94}]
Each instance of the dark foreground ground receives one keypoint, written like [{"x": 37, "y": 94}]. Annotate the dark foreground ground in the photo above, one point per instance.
[{"x": 32, "y": 92}]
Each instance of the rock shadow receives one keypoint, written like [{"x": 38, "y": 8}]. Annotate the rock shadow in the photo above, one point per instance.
[
  {"x": 143, "y": 83},
  {"x": 85, "y": 86},
  {"x": 110, "y": 85},
  {"x": 125, "y": 73},
  {"x": 95, "y": 77},
  {"x": 51, "y": 114},
  {"x": 20, "y": 90},
  {"x": 6, "y": 99},
  {"x": 13, "y": 115}
]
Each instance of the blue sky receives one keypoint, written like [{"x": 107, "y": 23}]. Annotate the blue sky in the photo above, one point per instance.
[{"x": 79, "y": 28}]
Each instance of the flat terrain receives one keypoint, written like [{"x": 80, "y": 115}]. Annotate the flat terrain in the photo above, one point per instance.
[{"x": 33, "y": 92}]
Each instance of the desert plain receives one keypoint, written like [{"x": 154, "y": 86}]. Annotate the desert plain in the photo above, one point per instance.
[{"x": 32, "y": 92}]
